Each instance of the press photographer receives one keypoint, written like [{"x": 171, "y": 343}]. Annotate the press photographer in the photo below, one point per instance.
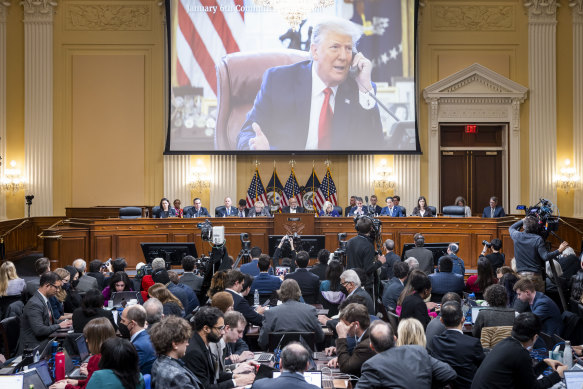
[
  {"x": 496, "y": 258},
  {"x": 286, "y": 249},
  {"x": 361, "y": 253}
]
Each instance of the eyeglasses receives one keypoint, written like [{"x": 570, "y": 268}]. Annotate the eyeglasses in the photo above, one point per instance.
[
  {"x": 345, "y": 283},
  {"x": 55, "y": 286},
  {"x": 219, "y": 328}
]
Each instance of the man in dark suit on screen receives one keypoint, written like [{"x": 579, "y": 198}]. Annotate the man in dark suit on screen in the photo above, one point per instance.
[{"x": 315, "y": 105}]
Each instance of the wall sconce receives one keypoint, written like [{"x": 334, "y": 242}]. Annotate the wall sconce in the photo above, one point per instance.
[
  {"x": 199, "y": 178},
  {"x": 384, "y": 179},
  {"x": 12, "y": 179},
  {"x": 568, "y": 179}
]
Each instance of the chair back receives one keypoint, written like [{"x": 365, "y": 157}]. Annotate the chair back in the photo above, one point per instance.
[
  {"x": 393, "y": 321},
  {"x": 382, "y": 311},
  {"x": 491, "y": 336},
  {"x": 155, "y": 211},
  {"x": 338, "y": 209},
  {"x": 433, "y": 210},
  {"x": 9, "y": 334},
  {"x": 186, "y": 210},
  {"x": 281, "y": 339},
  {"x": 5, "y": 302},
  {"x": 239, "y": 77},
  {"x": 436, "y": 297},
  {"x": 130, "y": 213},
  {"x": 454, "y": 211}
]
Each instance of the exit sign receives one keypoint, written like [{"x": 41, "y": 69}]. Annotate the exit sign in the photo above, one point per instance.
[{"x": 471, "y": 129}]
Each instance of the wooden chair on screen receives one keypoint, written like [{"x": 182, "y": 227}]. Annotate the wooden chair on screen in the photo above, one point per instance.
[{"x": 239, "y": 77}]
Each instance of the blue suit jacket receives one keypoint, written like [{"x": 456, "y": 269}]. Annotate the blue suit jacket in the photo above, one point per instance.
[
  {"x": 548, "y": 313},
  {"x": 222, "y": 211},
  {"x": 441, "y": 283},
  {"x": 146, "y": 353},
  {"x": 201, "y": 212},
  {"x": 334, "y": 213},
  {"x": 282, "y": 110},
  {"x": 265, "y": 283},
  {"x": 396, "y": 212},
  {"x": 498, "y": 212},
  {"x": 286, "y": 380}
]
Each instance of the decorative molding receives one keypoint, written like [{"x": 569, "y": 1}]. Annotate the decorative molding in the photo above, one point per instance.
[
  {"x": 472, "y": 18},
  {"x": 108, "y": 17},
  {"x": 38, "y": 10},
  {"x": 577, "y": 9},
  {"x": 475, "y": 111},
  {"x": 4, "y": 4},
  {"x": 420, "y": 10},
  {"x": 542, "y": 11}
]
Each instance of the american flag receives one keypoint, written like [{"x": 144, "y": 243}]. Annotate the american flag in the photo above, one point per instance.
[
  {"x": 292, "y": 189},
  {"x": 326, "y": 192},
  {"x": 204, "y": 35},
  {"x": 275, "y": 186},
  {"x": 256, "y": 191}
]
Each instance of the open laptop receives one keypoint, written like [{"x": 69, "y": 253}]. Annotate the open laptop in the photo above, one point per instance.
[
  {"x": 71, "y": 370},
  {"x": 573, "y": 379},
  {"x": 82, "y": 348},
  {"x": 475, "y": 311},
  {"x": 31, "y": 377},
  {"x": 311, "y": 377},
  {"x": 11, "y": 381},
  {"x": 120, "y": 299},
  {"x": 42, "y": 368}
]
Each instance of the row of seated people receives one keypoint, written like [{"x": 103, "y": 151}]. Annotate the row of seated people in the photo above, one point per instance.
[{"x": 355, "y": 208}]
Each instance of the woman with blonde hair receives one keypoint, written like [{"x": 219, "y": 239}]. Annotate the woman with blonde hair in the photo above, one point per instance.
[
  {"x": 410, "y": 332},
  {"x": 170, "y": 303},
  {"x": 96, "y": 332},
  {"x": 10, "y": 283}
]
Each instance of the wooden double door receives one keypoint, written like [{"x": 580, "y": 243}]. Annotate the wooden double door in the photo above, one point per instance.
[{"x": 471, "y": 165}]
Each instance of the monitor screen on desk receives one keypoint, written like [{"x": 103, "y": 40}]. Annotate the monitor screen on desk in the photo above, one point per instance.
[
  {"x": 438, "y": 250},
  {"x": 171, "y": 252}
]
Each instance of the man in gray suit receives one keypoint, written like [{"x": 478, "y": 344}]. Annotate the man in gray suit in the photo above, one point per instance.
[
  {"x": 86, "y": 282},
  {"x": 37, "y": 323},
  {"x": 291, "y": 316},
  {"x": 41, "y": 266},
  {"x": 188, "y": 277},
  {"x": 424, "y": 256}
]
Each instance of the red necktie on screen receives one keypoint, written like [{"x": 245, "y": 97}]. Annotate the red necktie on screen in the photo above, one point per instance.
[{"x": 325, "y": 122}]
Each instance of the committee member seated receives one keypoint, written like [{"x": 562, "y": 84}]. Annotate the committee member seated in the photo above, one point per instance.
[
  {"x": 354, "y": 322},
  {"x": 460, "y": 201},
  {"x": 309, "y": 282},
  {"x": 291, "y": 315},
  {"x": 293, "y": 207},
  {"x": 226, "y": 210},
  {"x": 421, "y": 209},
  {"x": 446, "y": 281},
  {"x": 242, "y": 210},
  {"x": 264, "y": 282},
  {"x": 322, "y": 105},
  {"x": 493, "y": 210},
  {"x": 359, "y": 209},
  {"x": 295, "y": 360},
  {"x": 391, "y": 209},
  {"x": 407, "y": 366},
  {"x": 463, "y": 353},
  {"x": 197, "y": 210},
  {"x": 509, "y": 364},
  {"x": 37, "y": 322},
  {"x": 374, "y": 209},
  {"x": 259, "y": 209},
  {"x": 165, "y": 209},
  {"x": 328, "y": 210},
  {"x": 351, "y": 204}
]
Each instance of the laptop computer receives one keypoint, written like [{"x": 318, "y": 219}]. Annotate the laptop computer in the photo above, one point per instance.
[
  {"x": 71, "y": 370},
  {"x": 120, "y": 299},
  {"x": 573, "y": 379},
  {"x": 475, "y": 311},
  {"x": 11, "y": 381},
  {"x": 311, "y": 377},
  {"x": 84, "y": 354},
  {"x": 42, "y": 368},
  {"x": 31, "y": 377}
]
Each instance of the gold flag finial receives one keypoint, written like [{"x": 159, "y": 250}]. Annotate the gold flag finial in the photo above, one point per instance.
[
  {"x": 327, "y": 162},
  {"x": 256, "y": 164},
  {"x": 292, "y": 163}
]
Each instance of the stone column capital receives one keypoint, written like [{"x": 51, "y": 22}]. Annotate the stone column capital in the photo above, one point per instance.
[
  {"x": 577, "y": 9},
  {"x": 38, "y": 10},
  {"x": 4, "y": 4},
  {"x": 542, "y": 11}
]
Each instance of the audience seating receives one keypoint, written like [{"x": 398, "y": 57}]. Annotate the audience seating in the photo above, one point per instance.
[
  {"x": 454, "y": 211},
  {"x": 6, "y": 301},
  {"x": 491, "y": 336},
  {"x": 9, "y": 333},
  {"x": 130, "y": 213},
  {"x": 280, "y": 339}
]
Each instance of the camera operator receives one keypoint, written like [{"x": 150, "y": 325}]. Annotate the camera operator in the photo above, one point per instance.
[
  {"x": 496, "y": 258},
  {"x": 530, "y": 251},
  {"x": 361, "y": 253},
  {"x": 285, "y": 248}
]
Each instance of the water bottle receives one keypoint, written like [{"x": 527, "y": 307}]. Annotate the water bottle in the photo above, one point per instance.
[
  {"x": 256, "y": 297},
  {"x": 568, "y": 355},
  {"x": 60, "y": 365}
]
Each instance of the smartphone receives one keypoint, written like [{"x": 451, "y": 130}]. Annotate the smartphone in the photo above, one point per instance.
[{"x": 266, "y": 303}]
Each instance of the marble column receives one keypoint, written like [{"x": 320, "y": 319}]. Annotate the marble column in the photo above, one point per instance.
[
  {"x": 407, "y": 169},
  {"x": 360, "y": 176},
  {"x": 176, "y": 172},
  {"x": 223, "y": 180},
  {"x": 577, "y": 10},
  {"x": 542, "y": 79},
  {"x": 3, "y": 10},
  {"x": 38, "y": 103}
]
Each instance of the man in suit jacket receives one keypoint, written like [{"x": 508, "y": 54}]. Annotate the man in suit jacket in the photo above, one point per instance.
[
  {"x": 494, "y": 210},
  {"x": 463, "y": 353},
  {"x": 86, "y": 282},
  {"x": 351, "y": 205},
  {"x": 242, "y": 210},
  {"x": 95, "y": 272},
  {"x": 295, "y": 360},
  {"x": 350, "y": 280},
  {"x": 134, "y": 320},
  {"x": 309, "y": 283},
  {"x": 226, "y": 210},
  {"x": 252, "y": 268},
  {"x": 264, "y": 282},
  {"x": 290, "y": 316},
  {"x": 37, "y": 322},
  {"x": 354, "y": 322},
  {"x": 374, "y": 208},
  {"x": 234, "y": 285},
  {"x": 401, "y": 367},
  {"x": 41, "y": 266},
  {"x": 392, "y": 292},
  {"x": 423, "y": 256},
  {"x": 188, "y": 277},
  {"x": 259, "y": 209},
  {"x": 293, "y": 207},
  {"x": 391, "y": 209},
  {"x": 446, "y": 281},
  {"x": 391, "y": 259},
  {"x": 296, "y": 121},
  {"x": 209, "y": 327},
  {"x": 197, "y": 210}
]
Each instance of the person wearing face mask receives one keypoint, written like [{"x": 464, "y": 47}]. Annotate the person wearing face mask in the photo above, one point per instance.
[
  {"x": 58, "y": 304},
  {"x": 354, "y": 322},
  {"x": 132, "y": 326},
  {"x": 73, "y": 300}
]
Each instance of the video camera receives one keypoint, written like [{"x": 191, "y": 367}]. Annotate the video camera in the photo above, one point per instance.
[
  {"x": 208, "y": 233},
  {"x": 340, "y": 253},
  {"x": 543, "y": 212},
  {"x": 375, "y": 231},
  {"x": 145, "y": 270}
]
